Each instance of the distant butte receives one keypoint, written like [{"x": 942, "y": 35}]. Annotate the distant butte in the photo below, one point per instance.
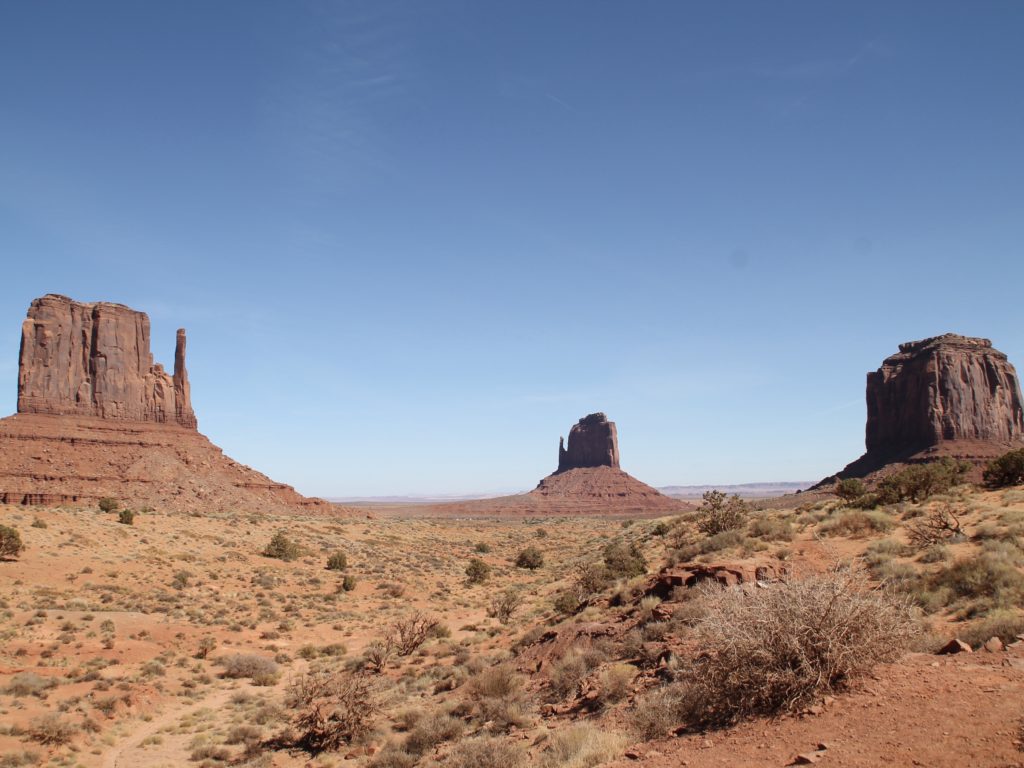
[
  {"x": 97, "y": 417},
  {"x": 593, "y": 442},
  {"x": 948, "y": 395}
]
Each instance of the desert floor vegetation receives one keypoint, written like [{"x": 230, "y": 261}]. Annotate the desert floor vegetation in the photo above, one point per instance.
[{"x": 234, "y": 637}]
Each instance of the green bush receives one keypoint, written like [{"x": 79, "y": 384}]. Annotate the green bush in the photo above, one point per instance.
[
  {"x": 10, "y": 542},
  {"x": 719, "y": 512},
  {"x": 1008, "y": 469},
  {"x": 850, "y": 488},
  {"x": 477, "y": 571},
  {"x": 337, "y": 562},
  {"x": 126, "y": 517},
  {"x": 348, "y": 583},
  {"x": 282, "y": 548},
  {"x": 919, "y": 481},
  {"x": 624, "y": 561},
  {"x": 531, "y": 558},
  {"x": 107, "y": 504}
]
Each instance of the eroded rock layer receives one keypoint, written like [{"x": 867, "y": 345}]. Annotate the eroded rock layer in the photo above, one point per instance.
[
  {"x": 54, "y": 460},
  {"x": 86, "y": 359}
]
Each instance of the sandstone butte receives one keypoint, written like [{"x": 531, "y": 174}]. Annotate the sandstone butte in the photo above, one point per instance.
[
  {"x": 97, "y": 417},
  {"x": 948, "y": 395},
  {"x": 588, "y": 481}
]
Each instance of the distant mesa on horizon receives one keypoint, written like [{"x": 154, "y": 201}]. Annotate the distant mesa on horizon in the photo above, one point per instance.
[
  {"x": 947, "y": 395},
  {"x": 97, "y": 417}
]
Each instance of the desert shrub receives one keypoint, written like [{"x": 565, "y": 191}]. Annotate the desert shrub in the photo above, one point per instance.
[
  {"x": 857, "y": 523},
  {"x": 1004, "y": 624},
  {"x": 582, "y": 746},
  {"x": 1006, "y": 470},
  {"x": 569, "y": 671},
  {"x": 20, "y": 759},
  {"x": 378, "y": 654},
  {"x": 482, "y": 547},
  {"x": 282, "y": 548},
  {"x": 941, "y": 525},
  {"x": 566, "y": 603},
  {"x": 337, "y": 562},
  {"x": 393, "y": 756},
  {"x": 348, "y": 583},
  {"x": 496, "y": 696},
  {"x": 39, "y": 523},
  {"x": 937, "y": 553},
  {"x": 29, "y": 684},
  {"x": 126, "y": 517},
  {"x": 919, "y": 481},
  {"x": 719, "y": 512},
  {"x": 624, "y": 561},
  {"x": 531, "y": 558},
  {"x": 330, "y": 709},
  {"x": 986, "y": 576},
  {"x": 181, "y": 579},
  {"x": 657, "y": 712},
  {"x": 409, "y": 632},
  {"x": 432, "y": 730},
  {"x": 661, "y": 528},
  {"x": 614, "y": 682},
  {"x": 589, "y": 580},
  {"x": 850, "y": 488},
  {"x": 259, "y": 669},
  {"x": 52, "y": 730},
  {"x": 486, "y": 752},
  {"x": 10, "y": 542},
  {"x": 108, "y": 505},
  {"x": 207, "y": 643},
  {"x": 477, "y": 571},
  {"x": 778, "y": 649},
  {"x": 771, "y": 530},
  {"x": 504, "y": 605}
]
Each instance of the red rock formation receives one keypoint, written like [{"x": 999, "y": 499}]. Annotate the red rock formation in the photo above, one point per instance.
[
  {"x": 948, "y": 395},
  {"x": 94, "y": 360},
  {"x": 593, "y": 442},
  {"x": 97, "y": 418}
]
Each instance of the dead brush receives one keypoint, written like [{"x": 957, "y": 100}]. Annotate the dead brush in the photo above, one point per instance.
[
  {"x": 939, "y": 527},
  {"x": 331, "y": 709},
  {"x": 778, "y": 649}
]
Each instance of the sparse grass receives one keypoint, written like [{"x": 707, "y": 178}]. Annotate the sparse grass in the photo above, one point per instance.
[
  {"x": 582, "y": 746},
  {"x": 857, "y": 523}
]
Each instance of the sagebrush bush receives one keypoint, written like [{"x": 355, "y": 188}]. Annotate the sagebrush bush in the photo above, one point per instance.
[
  {"x": 337, "y": 562},
  {"x": 486, "y": 752},
  {"x": 582, "y": 746},
  {"x": 10, "y": 542},
  {"x": 432, "y": 730},
  {"x": 983, "y": 576},
  {"x": 718, "y": 513},
  {"x": 1002, "y": 623},
  {"x": 857, "y": 523},
  {"x": 850, "y": 488},
  {"x": 1006, "y": 470},
  {"x": 331, "y": 709},
  {"x": 919, "y": 481},
  {"x": 477, "y": 571},
  {"x": 282, "y": 548},
  {"x": 108, "y": 505},
  {"x": 530, "y": 558},
  {"x": 126, "y": 516},
  {"x": 259, "y": 669},
  {"x": 777, "y": 649},
  {"x": 52, "y": 730},
  {"x": 624, "y": 561}
]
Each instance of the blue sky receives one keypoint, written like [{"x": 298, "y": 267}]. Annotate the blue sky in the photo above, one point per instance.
[{"x": 413, "y": 242}]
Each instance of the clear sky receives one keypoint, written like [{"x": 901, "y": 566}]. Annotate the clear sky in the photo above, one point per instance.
[{"x": 413, "y": 242}]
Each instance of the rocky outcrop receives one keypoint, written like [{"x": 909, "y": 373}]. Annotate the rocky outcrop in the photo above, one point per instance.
[
  {"x": 947, "y": 395},
  {"x": 95, "y": 360},
  {"x": 593, "y": 442},
  {"x": 945, "y": 388}
]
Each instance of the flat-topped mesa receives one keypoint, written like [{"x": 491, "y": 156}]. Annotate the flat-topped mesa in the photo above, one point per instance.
[
  {"x": 943, "y": 389},
  {"x": 593, "y": 442},
  {"x": 94, "y": 360}
]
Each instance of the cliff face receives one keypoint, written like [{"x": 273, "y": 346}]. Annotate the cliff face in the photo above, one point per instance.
[
  {"x": 95, "y": 360},
  {"x": 946, "y": 388},
  {"x": 593, "y": 442}
]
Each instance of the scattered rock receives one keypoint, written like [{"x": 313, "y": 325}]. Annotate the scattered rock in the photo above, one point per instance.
[
  {"x": 993, "y": 645},
  {"x": 955, "y": 645}
]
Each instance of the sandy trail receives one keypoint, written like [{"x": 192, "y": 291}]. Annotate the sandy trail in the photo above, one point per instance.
[{"x": 123, "y": 754}]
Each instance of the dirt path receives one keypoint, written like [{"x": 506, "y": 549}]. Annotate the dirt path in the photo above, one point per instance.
[
  {"x": 129, "y": 754},
  {"x": 934, "y": 711}
]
